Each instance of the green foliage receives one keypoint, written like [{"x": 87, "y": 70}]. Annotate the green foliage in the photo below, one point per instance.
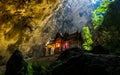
[
  {"x": 98, "y": 14},
  {"x": 37, "y": 68},
  {"x": 112, "y": 17},
  {"x": 2, "y": 72},
  {"x": 30, "y": 69},
  {"x": 107, "y": 18},
  {"x": 112, "y": 42},
  {"x": 87, "y": 38},
  {"x": 44, "y": 70}
]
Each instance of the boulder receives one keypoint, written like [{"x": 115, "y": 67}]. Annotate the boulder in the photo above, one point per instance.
[
  {"x": 16, "y": 65},
  {"x": 71, "y": 52},
  {"x": 86, "y": 64}
]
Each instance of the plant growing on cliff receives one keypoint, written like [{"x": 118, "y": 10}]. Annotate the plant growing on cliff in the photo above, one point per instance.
[
  {"x": 30, "y": 69},
  {"x": 87, "y": 37},
  {"x": 106, "y": 22},
  {"x": 98, "y": 14}
]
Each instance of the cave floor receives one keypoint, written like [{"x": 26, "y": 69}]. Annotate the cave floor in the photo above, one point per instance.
[{"x": 47, "y": 60}]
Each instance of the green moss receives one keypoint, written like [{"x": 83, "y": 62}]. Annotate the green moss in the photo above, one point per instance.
[
  {"x": 87, "y": 38},
  {"x": 98, "y": 14}
]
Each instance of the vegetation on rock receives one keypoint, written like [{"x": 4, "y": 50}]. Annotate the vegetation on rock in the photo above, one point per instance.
[
  {"x": 87, "y": 45},
  {"x": 98, "y": 14},
  {"x": 107, "y": 25}
]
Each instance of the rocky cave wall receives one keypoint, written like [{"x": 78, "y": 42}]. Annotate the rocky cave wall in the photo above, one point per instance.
[{"x": 24, "y": 23}]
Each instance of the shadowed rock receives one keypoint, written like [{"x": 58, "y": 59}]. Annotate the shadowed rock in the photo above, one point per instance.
[
  {"x": 68, "y": 53},
  {"x": 99, "y": 50},
  {"x": 86, "y": 64},
  {"x": 16, "y": 65}
]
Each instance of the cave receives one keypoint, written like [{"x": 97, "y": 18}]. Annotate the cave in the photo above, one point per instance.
[{"x": 52, "y": 37}]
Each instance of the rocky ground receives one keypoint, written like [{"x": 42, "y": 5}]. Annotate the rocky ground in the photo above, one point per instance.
[
  {"x": 73, "y": 61},
  {"x": 47, "y": 60}
]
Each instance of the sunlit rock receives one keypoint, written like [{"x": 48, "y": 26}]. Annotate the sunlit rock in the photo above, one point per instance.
[
  {"x": 25, "y": 23},
  {"x": 75, "y": 14}
]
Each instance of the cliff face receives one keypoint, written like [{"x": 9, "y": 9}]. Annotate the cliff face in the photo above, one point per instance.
[
  {"x": 73, "y": 15},
  {"x": 24, "y": 22}
]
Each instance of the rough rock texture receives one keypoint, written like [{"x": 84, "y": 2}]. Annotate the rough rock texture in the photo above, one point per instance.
[
  {"x": 75, "y": 14},
  {"x": 86, "y": 64},
  {"x": 24, "y": 22}
]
